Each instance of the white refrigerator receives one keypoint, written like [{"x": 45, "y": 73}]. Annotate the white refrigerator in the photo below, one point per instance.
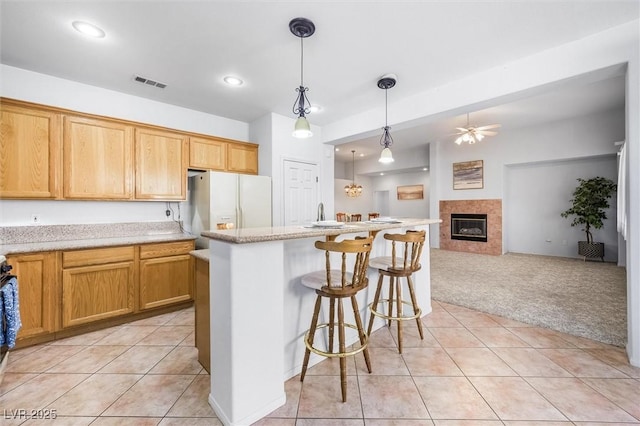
[{"x": 228, "y": 200}]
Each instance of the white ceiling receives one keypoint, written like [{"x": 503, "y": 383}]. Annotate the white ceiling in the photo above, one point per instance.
[{"x": 191, "y": 45}]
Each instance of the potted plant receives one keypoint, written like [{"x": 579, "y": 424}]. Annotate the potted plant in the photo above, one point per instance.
[{"x": 590, "y": 199}]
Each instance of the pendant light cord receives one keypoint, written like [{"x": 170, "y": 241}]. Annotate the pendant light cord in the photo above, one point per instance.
[
  {"x": 385, "y": 108},
  {"x": 301, "y": 62}
]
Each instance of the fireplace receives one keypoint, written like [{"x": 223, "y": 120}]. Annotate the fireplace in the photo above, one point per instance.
[{"x": 469, "y": 227}]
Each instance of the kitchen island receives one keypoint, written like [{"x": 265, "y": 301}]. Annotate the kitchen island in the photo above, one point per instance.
[{"x": 260, "y": 311}]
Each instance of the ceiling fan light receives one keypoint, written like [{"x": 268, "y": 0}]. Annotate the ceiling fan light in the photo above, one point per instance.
[
  {"x": 302, "y": 128},
  {"x": 459, "y": 140},
  {"x": 479, "y": 136},
  {"x": 386, "y": 156},
  {"x": 466, "y": 137}
]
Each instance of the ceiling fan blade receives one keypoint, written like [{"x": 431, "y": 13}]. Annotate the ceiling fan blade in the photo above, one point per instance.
[
  {"x": 487, "y": 132},
  {"x": 462, "y": 129},
  {"x": 490, "y": 126}
]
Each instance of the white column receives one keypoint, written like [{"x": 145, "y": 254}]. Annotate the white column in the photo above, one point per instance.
[{"x": 246, "y": 305}]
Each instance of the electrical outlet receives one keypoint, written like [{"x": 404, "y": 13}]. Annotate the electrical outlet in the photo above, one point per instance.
[
  {"x": 167, "y": 212},
  {"x": 35, "y": 218}
]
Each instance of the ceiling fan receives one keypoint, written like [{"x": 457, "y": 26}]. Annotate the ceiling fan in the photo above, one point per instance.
[{"x": 472, "y": 134}]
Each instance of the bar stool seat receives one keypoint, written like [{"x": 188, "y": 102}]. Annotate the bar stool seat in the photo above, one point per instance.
[
  {"x": 336, "y": 284},
  {"x": 406, "y": 250}
]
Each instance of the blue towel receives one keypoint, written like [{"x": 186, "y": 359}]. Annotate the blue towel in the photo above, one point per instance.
[{"x": 9, "y": 303}]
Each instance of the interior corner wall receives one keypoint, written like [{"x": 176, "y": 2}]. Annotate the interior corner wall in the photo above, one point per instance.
[
  {"x": 405, "y": 208},
  {"x": 311, "y": 150},
  {"x": 536, "y": 194},
  {"x": 530, "y": 148},
  {"x": 362, "y": 204}
]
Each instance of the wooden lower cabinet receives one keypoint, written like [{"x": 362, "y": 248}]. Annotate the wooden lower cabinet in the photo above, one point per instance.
[
  {"x": 166, "y": 274},
  {"x": 64, "y": 293},
  {"x": 37, "y": 284},
  {"x": 97, "y": 284},
  {"x": 203, "y": 328}
]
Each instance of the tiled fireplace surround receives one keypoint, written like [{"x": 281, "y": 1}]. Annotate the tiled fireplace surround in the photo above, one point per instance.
[{"x": 493, "y": 210}]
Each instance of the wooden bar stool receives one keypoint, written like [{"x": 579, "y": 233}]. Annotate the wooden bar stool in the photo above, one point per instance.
[
  {"x": 337, "y": 284},
  {"x": 406, "y": 250}
]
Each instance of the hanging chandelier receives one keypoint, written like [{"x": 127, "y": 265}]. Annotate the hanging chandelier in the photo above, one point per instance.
[
  {"x": 386, "y": 156},
  {"x": 353, "y": 190},
  {"x": 302, "y": 28}
]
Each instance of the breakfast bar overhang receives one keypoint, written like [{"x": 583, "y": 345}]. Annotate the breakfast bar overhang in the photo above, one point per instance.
[{"x": 260, "y": 311}]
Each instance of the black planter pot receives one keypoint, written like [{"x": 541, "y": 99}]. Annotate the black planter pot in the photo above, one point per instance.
[{"x": 591, "y": 250}]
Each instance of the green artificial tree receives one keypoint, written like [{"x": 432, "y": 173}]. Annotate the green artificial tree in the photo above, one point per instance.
[{"x": 590, "y": 199}]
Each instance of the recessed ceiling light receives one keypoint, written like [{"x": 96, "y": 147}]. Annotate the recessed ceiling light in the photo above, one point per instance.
[
  {"x": 315, "y": 108},
  {"x": 381, "y": 174},
  {"x": 425, "y": 169},
  {"x": 233, "y": 81},
  {"x": 337, "y": 149},
  {"x": 88, "y": 29},
  {"x": 361, "y": 155}
]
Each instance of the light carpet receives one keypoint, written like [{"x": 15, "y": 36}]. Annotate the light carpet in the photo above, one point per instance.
[{"x": 586, "y": 299}]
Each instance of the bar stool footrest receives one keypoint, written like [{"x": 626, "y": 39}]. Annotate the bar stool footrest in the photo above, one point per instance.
[
  {"x": 317, "y": 351},
  {"x": 415, "y": 315}
]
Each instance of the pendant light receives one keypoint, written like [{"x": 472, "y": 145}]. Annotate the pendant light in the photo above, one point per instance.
[
  {"x": 353, "y": 190},
  {"x": 302, "y": 28},
  {"x": 386, "y": 82}
]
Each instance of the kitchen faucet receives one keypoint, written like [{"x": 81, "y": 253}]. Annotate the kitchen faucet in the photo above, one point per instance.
[{"x": 320, "y": 212}]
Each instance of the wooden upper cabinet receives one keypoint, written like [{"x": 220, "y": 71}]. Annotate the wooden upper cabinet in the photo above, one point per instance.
[
  {"x": 242, "y": 158},
  {"x": 161, "y": 160},
  {"x": 98, "y": 159},
  {"x": 29, "y": 152},
  {"x": 207, "y": 154}
]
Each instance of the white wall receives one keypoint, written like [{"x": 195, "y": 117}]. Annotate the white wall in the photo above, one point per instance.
[
  {"x": 536, "y": 194},
  {"x": 274, "y": 133},
  {"x": 47, "y": 90},
  {"x": 362, "y": 204},
  {"x": 580, "y": 138},
  {"x": 404, "y": 208}
]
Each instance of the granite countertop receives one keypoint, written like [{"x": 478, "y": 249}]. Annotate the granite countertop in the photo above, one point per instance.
[
  {"x": 276, "y": 233},
  {"x": 202, "y": 254},
  {"x": 32, "y": 239}
]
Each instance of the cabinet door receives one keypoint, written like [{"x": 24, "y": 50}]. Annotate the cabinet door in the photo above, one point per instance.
[
  {"x": 98, "y": 159},
  {"x": 92, "y": 293},
  {"x": 242, "y": 158},
  {"x": 165, "y": 281},
  {"x": 37, "y": 284},
  {"x": 161, "y": 165},
  {"x": 207, "y": 154},
  {"x": 29, "y": 153}
]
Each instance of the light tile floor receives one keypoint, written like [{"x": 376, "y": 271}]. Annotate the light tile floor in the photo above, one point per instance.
[{"x": 471, "y": 369}]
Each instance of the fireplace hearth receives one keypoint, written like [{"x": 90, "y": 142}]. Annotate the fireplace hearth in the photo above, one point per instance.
[{"x": 469, "y": 227}]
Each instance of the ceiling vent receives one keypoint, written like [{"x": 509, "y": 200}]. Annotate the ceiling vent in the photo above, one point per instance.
[{"x": 149, "y": 82}]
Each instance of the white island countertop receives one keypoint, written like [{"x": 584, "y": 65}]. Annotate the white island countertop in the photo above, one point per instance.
[{"x": 278, "y": 233}]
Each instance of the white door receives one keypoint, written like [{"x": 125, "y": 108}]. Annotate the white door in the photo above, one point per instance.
[{"x": 300, "y": 192}]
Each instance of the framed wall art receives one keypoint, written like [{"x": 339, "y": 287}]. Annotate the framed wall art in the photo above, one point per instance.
[
  {"x": 411, "y": 192},
  {"x": 468, "y": 175}
]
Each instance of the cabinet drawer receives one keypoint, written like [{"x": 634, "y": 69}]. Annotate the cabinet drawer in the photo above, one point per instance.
[
  {"x": 100, "y": 256},
  {"x": 149, "y": 251}
]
